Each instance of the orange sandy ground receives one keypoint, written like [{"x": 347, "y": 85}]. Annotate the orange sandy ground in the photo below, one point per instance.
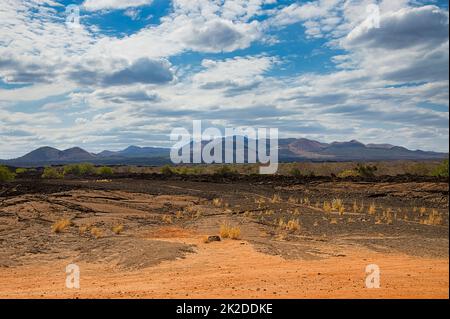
[{"x": 234, "y": 269}]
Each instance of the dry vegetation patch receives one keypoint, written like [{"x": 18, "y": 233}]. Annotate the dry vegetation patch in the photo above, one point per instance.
[
  {"x": 61, "y": 225},
  {"x": 229, "y": 231}
]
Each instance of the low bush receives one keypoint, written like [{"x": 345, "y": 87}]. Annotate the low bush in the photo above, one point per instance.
[
  {"x": 296, "y": 172},
  {"x": 441, "y": 170},
  {"x": 366, "y": 170},
  {"x": 105, "y": 170},
  {"x": 52, "y": 173},
  {"x": 167, "y": 170},
  {"x": 79, "y": 169},
  {"x": 6, "y": 175},
  {"x": 21, "y": 170},
  {"x": 348, "y": 173}
]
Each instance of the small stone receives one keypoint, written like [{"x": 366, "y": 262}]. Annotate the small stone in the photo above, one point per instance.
[{"x": 213, "y": 238}]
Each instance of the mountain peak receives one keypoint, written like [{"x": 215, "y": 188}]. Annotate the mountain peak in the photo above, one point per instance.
[
  {"x": 74, "y": 149},
  {"x": 42, "y": 153},
  {"x": 132, "y": 148},
  {"x": 46, "y": 149},
  {"x": 75, "y": 154},
  {"x": 351, "y": 143}
]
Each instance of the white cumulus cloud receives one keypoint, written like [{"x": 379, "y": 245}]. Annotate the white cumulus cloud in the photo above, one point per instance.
[{"x": 96, "y": 5}]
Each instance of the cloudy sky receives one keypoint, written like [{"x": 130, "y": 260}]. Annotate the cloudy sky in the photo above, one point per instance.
[{"x": 134, "y": 69}]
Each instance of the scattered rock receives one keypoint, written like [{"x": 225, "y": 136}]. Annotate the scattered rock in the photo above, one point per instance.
[{"x": 213, "y": 238}]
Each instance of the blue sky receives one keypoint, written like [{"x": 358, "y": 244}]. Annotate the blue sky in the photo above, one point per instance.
[{"x": 135, "y": 69}]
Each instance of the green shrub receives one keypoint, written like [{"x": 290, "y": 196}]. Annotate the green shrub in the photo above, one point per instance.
[
  {"x": 21, "y": 170},
  {"x": 167, "y": 170},
  {"x": 72, "y": 169},
  {"x": 87, "y": 168},
  {"x": 348, "y": 173},
  {"x": 296, "y": 172},
  {"x": 366, "y": 170},
  {"x": 52, "y": 173},
  {"x": 79, "y": 169},
  {"x": 441, "y": 170},
  {"x": 6, "y": 175},
  {"x": 182, "y": 170},
  {"x": 105, "y": 170}
]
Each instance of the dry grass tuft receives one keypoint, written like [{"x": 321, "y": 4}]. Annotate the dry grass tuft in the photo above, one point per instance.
[
  {"x": 260, "y": 201},
  {"x": 327, "y": 207},
  {"x": 372, "y": 209},
  {"x": 117, "y": 229},
  {"x": 361, "y": 208},
  {"x": 167, "y": 219},
  {"x": 338, "y": 205},
  {"x": 269, "y": 212},
  {"x": 189, "y": 209},
  {"x": 96, "y": 232},
  {"x": 422, "y": 211},
  {"x": 228, "y": 231},
  {"x": 247, "y": 214},
  {"x": 435, "y": 218},
  {"x": 355, "y": 207},
  {"x": 388, "y": 216},
  {"x": 83, "y": 229},
  {"x": 276, "y": 199},
  {"x": 217, "y": 202},
  {"x": 61, "y": 225},
  {"x": 235, "y": 233},
  {"x": 292, "y": 225}
]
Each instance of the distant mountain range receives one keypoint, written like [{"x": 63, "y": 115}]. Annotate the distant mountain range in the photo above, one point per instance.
[
  {"x": 132, "y": 155},
  {"x": 290, "y": 150}
]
